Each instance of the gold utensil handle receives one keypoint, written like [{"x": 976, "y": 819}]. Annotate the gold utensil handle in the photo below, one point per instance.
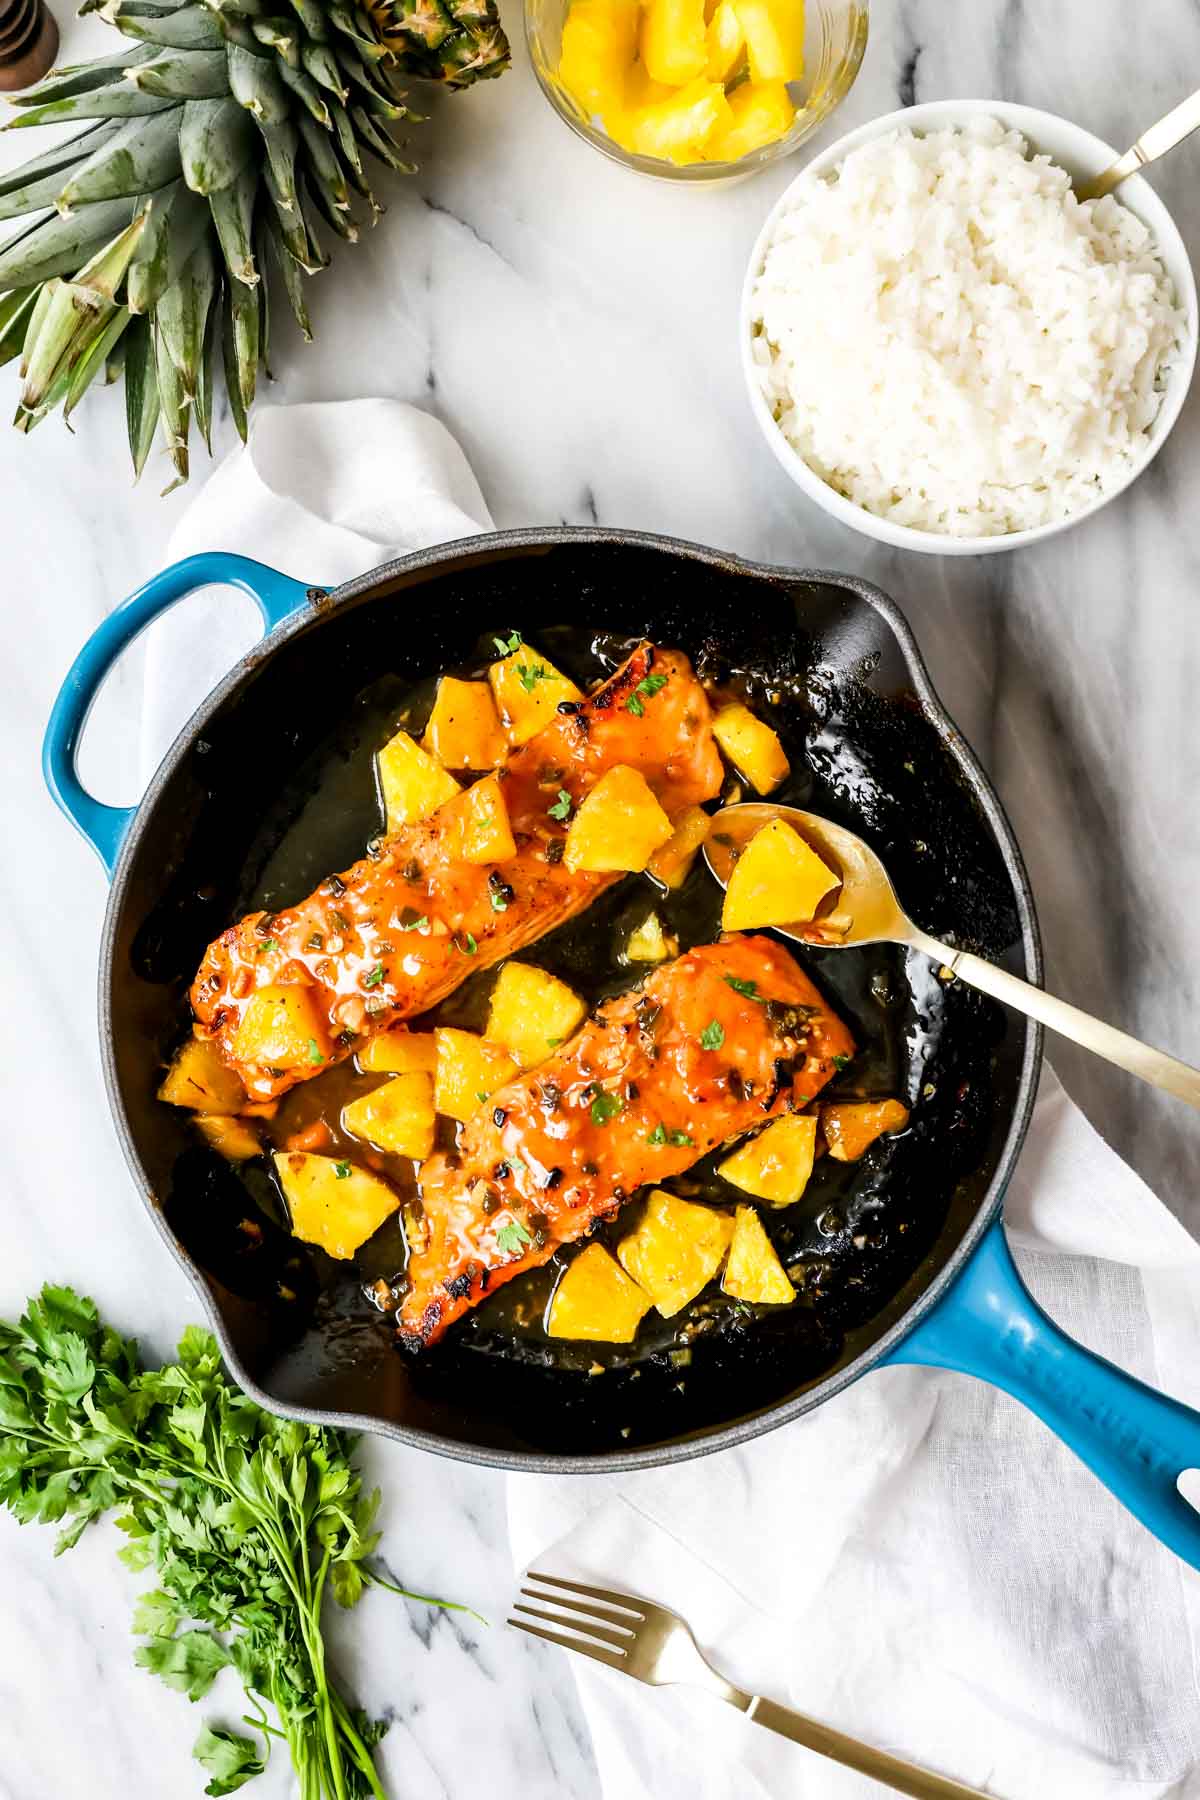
[
  {"x": 1179, "y": 123},
  {"x": 1154, "y": 1066},
  {"x": 903, "y": 1777}
]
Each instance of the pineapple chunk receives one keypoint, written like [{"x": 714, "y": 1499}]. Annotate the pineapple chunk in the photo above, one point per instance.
[
  {"x": 753, "y": 1271},
  {"x": 672, "y": 40},
  {"x": 850, "y": 1127},
  {"x": 752, "y": 747},
  {"x": 599, "y": 41},
  {"x": 482, "y": 833},
  {"x": 726, "y": 43},
  {"x": 777, "y": 880},
  {"x": 619, "y": 825},
  {"x": 671, "y": 864},
  {"x": 464, "y": 729},
  {"x": 469, "y": 1070},
  {"x": 282, "y": 1028},
  {"x": 762, "y": 113},
  {"x": 200, "y": 1079},
  {"x": 332, "y": 1203},
  {"x": 676, "y": 1250},
  {"x": 596, "y": 1301},
  {"x": 397, "y": 1116},
  {"x": 232, "y": 1138},
  {"x": 680, "y": 128},
  {"x": 774, "y": 38},
  {"x": 649, "y": 943},
  {"x": 528, "y": 691},
  {"x": 399, "y": 1052},
  {"x": 775, "y": 1165},
  {"x": 531, "y": 1013},
  {"x": 414, "y": 783}
]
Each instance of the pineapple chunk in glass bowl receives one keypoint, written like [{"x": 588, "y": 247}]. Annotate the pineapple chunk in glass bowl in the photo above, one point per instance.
[{"x": 695, "y": 90}]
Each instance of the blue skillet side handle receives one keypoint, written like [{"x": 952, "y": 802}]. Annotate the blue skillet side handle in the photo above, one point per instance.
[
  {"x": 1137, "y": 1441},
  {"x": 276, "y": 596}
]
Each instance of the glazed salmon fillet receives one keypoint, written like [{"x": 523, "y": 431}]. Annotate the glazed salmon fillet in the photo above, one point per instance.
[
  {"x": 711, "y": 1045},
  {"x": 393, "y": 935}
]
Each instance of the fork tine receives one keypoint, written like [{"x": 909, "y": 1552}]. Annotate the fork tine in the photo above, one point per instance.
[
  {"x": 611, "y": 1657},
  {"x": 580, "y": 1621},
  {"x": 623, "y": 1602},
  {"x": 628, "y": 1623}
]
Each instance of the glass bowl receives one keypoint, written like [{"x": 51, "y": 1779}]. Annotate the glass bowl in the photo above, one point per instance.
[{"x": 835, "y": 38}]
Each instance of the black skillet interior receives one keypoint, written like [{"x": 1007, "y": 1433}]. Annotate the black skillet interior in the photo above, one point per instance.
[{"x": 278, "y": 789}]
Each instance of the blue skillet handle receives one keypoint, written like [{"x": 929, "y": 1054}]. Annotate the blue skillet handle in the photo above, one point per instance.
[
  {"x": 276, "y": 596},
  {"x": 1135, "y": 1440}
]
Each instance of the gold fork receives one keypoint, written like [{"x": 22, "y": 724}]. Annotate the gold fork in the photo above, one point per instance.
[{"x": 657, "y": 1646}]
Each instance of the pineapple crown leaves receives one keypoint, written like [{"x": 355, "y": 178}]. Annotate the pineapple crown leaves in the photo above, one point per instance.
[{"x": 215, "y": 151}]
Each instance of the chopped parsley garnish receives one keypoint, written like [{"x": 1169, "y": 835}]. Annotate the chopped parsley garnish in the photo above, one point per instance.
[
  {"x": 679, "y": 1140},
  {"x": 499, "y": 899},
  {"x": 513, "y": 1237},
  {"x": 649, "y": 685},
  {"x": 748, "y": 988},
  {"x": 413, "y": 922},
  {"x": 553, "y": 1043},
  {"x": 605, "y": 1107},
  {"x": 531, "y": 674},
  {"x": 713, "y": 1035},
  {"x": 467, "y": 946},
  {"x": 267, "y": 944},
  {"x": 841, "y": 1062},
  {"x": 375, "y": 976},
  {"x": 561, "y": 810},
  {"x": 314, "y": 1051},
  {"x": 507, "y": 646},
  {"x": 481, "y": 1094},
  {"x": 341, "y": 1170}
]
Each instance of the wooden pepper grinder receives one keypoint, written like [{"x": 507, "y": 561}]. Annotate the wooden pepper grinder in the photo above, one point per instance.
[{"x": 28, "y": 43}]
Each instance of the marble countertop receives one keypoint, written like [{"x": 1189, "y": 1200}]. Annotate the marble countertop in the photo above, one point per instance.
[{"x": 574, "y": 327}]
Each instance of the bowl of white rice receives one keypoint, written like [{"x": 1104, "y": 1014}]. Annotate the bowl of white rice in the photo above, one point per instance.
[{"x": 946, "y": 349}]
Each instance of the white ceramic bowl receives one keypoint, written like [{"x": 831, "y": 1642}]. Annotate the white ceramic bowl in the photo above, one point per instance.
[{"x": 1082, "y": 155}]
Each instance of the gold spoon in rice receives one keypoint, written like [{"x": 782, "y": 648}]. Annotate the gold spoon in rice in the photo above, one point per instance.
[
  {"x": 1179, "y": 123},
  {"x": 863, "y": 909}
]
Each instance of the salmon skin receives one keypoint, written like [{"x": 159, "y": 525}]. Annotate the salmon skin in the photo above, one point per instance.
[
  {"x": 399, "y": 931},
  {"x": 711, "y": 1045}
]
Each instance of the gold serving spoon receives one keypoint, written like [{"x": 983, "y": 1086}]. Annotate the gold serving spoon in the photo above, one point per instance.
[
  {"x": 1179, "y": 123},
  {"x": 864, "y": 909}
]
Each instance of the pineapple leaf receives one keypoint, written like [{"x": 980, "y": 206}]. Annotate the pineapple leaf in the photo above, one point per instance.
[
  {"x": 94, "y": 359},
  {"x": 52, "y": 162},
  {"x": 81, "y": 78},
  {"x": 335, "y": 216},
  {"x": 143, "y": 154},
  {"x": 256, "y": 86},
  {"x": 188, "y": 28},
  {"x": 174, "y": 411},
  {"x": 233, "y": 215},
  {"x": 141, "y": 393},
  {"x": 216, "y": 142},
  {"x": 182, "y": 314},
  {"x": 56, "y": 245},
  {"x": 323, "y": 163},
  {"x": 203, "y": 402},
  {"x": 116, "y": 101},
  {"x": 320, "y": 62},
  {"x": 307, "y": 92},
  {"x": 14, "y": 320},
  {"x": 148, "y": 270},
  {"x": 312, "y": 16},
  {"x": 183, "y": 75},
  {"x": 291, "y": 274},
  {"x": 281, "y": 36}
]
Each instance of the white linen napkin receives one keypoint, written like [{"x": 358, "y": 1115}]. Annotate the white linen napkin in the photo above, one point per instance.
[{"x": 918, "y": 1562}]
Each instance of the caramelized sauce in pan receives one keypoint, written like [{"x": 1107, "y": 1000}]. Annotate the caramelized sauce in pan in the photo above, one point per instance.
[{"x": 859, "y": 1229}]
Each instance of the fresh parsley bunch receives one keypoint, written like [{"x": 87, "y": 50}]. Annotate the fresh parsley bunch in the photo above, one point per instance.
[{"x": 247, "y": 1519}]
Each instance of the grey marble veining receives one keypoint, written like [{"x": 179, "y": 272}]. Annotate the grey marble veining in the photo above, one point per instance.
[{"x": 574, "y": 326}]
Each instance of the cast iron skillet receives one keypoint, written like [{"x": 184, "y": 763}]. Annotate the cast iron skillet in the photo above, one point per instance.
[{"x": 266, "y": 790}]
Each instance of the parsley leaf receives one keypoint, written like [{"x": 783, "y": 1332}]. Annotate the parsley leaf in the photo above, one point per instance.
[
  {"x": 341, "y": 1170},
  {"x": 468, "y": 946},
  {"x": 679, "y": 1140},
  {"x": 513, "y": 1237},
  {"x": 553, "y": 1043},
  {"x": 605, "y": 1107},
  {"x": 508, "y": 646},
  {"x": 561, "y": 810},
  {"x": 314, "y": 1051},
  {"x": 267, "y": 944},
  {"x": 649, "y": 685},
  {"x": 748, "y": 988},
  {"x": 713, "y": 1035},
  {"x": 419, "y": 922},
  {"x": 375, "y": 977},
  {"x": 658, "y": 1135},
  {"x": 531, "y": 674},
  {"x": 498, "y": 899},
  {"x": 841, "y": 1062},
  {"x": 245, "y": 1519}
]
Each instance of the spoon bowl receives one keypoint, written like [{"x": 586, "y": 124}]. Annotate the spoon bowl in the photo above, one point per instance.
[{"x": 863, "y": 909}]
